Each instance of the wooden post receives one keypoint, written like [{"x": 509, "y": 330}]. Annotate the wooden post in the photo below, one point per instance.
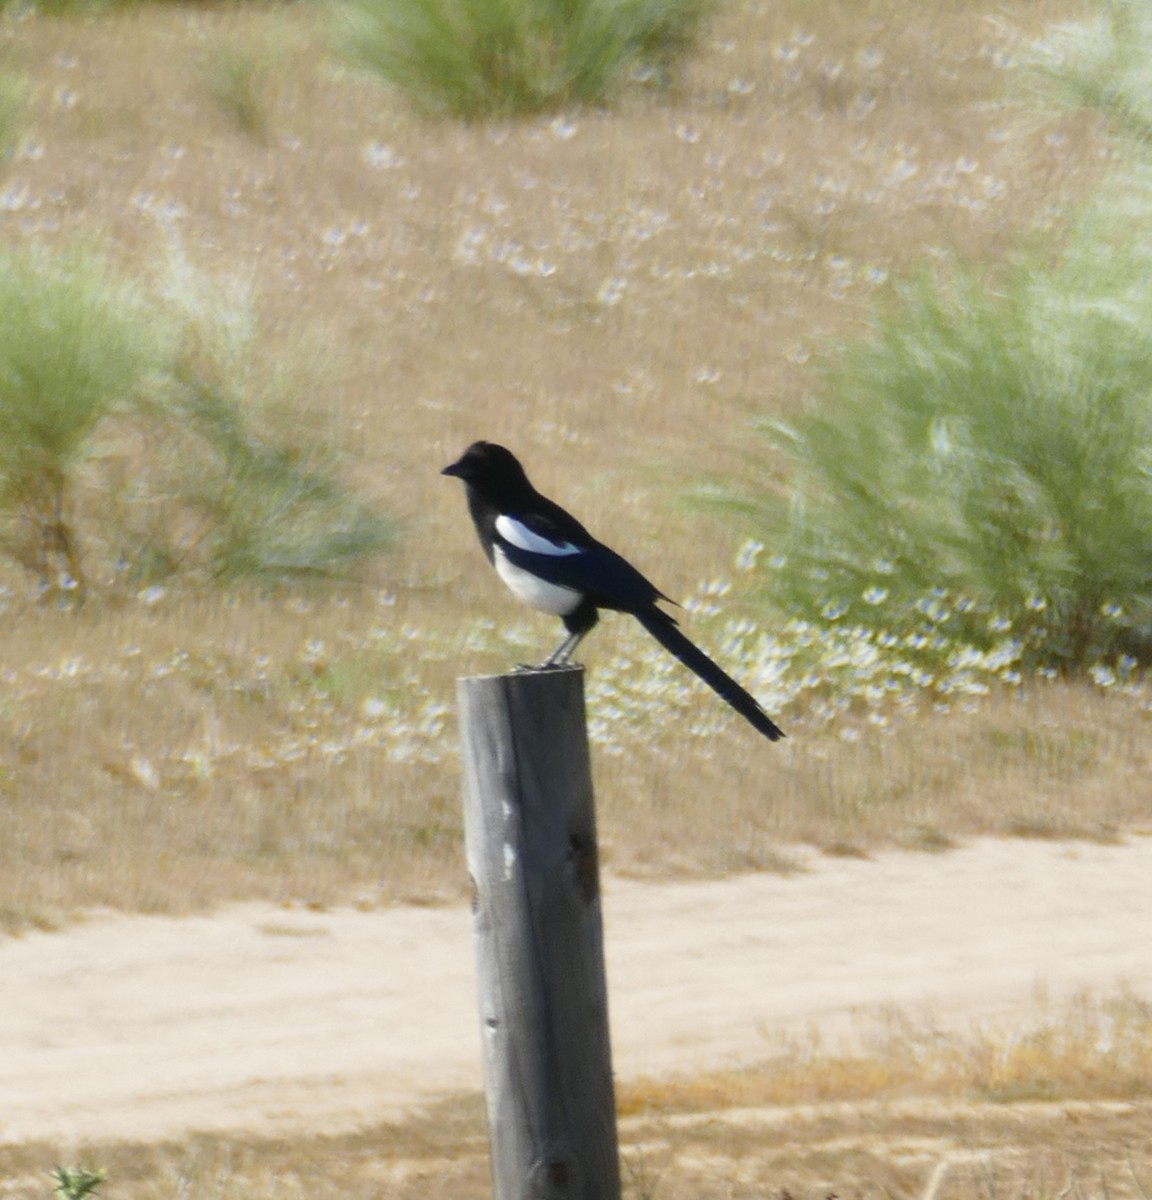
[{"x": 530, "y": 834}]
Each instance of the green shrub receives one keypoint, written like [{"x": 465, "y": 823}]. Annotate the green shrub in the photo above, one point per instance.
[
  {"x": 229, "y": 479},
  {"x": 502, "y": 58},
  {"x": 75, "y": 1183},
  {"x": 1104, "y": 62},
  {"x": 979, "y": 473},
  {"x": 268, "y": 513},
  {"x": 238, "y": 82},
  {"x": 76, "y": 344},
  {"x": 129, "y": 445}
]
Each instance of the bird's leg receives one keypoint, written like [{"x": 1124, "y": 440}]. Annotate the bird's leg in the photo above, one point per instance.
[
  {"x": 580, "y": 621},
  {"x": 560, "y": 656}
]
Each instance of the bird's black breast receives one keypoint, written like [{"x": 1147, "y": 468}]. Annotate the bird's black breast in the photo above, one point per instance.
[{"x": 483, "y": 517}]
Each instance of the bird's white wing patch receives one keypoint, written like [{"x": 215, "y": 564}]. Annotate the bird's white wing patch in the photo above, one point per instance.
[
  {"x": 547, "y": 597},
  {"x": 517, "y": 534}
]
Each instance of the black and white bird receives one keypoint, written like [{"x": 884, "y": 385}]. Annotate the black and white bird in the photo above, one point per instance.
[{"x": 550, "y": 561}]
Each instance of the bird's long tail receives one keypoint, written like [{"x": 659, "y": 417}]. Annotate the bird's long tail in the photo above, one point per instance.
[{"x": 665, "y": 630}]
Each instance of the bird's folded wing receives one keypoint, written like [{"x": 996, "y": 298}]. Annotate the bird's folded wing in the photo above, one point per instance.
[
  {"x": 608, "y": 580},
  {"x": 534, "y": 535}
]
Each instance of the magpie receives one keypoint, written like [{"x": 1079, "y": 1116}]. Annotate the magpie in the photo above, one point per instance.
[{"x": 550, "y": 561}]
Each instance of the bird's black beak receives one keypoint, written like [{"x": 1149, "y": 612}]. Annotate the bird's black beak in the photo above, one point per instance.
[{"x": 452, "y": 469}]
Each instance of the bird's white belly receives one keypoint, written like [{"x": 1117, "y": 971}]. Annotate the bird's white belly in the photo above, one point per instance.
[{"x": 547, "y": 597}]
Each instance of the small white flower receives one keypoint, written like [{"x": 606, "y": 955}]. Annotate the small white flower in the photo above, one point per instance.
[
  {"x": 748, "y": 554},
  {"x": 612, "y": 291},
  {"x": 144, "y": 772},
  {"x": 17, "y": 197},
  {"x": 380, "y": 157}
]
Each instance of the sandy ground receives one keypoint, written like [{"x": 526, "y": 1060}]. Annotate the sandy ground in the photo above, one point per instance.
[{"x": 267, "y": 1019}]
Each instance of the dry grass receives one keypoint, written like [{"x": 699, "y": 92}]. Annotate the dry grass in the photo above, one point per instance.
[
  {"x": 243, "y": 755},
  {"x": 1059, "y": 1110},
  {"x": 613, "y": 295}
]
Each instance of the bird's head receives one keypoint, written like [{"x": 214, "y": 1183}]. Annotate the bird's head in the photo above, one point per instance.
[{"x": 492, "y": 470}]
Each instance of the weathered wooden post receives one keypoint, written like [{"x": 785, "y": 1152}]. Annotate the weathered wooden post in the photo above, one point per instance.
[{"x": 530, "y": 833}]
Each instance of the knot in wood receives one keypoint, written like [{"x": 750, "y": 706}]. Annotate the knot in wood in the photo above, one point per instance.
[
  {"x": 555, "y": 1175},
  {"x": 585, "y": 861}
]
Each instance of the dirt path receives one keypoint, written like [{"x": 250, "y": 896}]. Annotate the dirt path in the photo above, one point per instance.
[{"x": 268, "y": 1020}]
